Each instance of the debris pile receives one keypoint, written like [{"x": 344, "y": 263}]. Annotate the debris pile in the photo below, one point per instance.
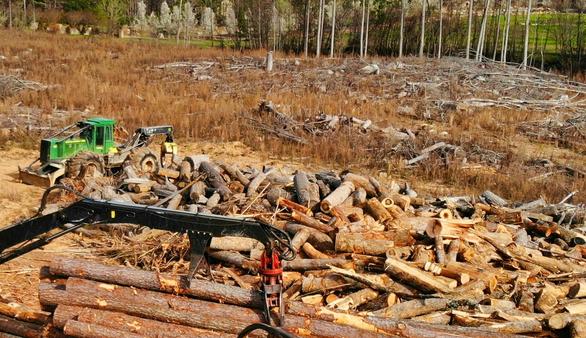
[
  {"x": 12, "y": 84},
  {"x": 373, "y": 259}
]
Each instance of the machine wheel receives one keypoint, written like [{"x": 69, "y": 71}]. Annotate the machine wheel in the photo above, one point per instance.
[
  {"x": 144, "y": 160},
  {"x": 85, "y": 164}
]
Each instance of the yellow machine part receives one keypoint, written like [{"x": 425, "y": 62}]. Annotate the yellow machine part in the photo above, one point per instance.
[{"x": 169, "y": 148}]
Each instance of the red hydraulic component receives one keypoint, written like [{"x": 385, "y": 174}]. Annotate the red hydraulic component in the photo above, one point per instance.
[{"x": 272, "y": 280}]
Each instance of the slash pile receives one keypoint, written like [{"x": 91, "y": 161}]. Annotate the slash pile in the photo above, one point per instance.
[{"x": 373, "y": 259}]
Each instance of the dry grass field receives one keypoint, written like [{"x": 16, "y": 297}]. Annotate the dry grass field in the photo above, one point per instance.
[{"x": 120, "y": 79}]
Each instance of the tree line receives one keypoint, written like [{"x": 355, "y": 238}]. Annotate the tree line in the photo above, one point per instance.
[{"x": 538, "y": 33}]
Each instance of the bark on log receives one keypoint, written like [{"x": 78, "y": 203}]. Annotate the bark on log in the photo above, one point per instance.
[
  {"x": 307, "y": 193},
  {"x": 63, "y": 313},
  {"x": 320, "y": 284},
  {"x": 377, "y": 210},
  {"x": 255, "y": 183},
  {"x": 353, "y": 300},
  {"x": 361, "y": 182},
  {"x": 235, "y": 173},
  {"x": 412, "y": 308},
  {"x": 578, "y": 290},
  {"x": 414, "y": 276},
  {"x": 197, "y": 190},
  {"x": 299, "y": 264},
  {"x": 21, "y": 312},
  {"x": 359, "y": 198},
  {"x": 560, "y": 321},
  {"x": 299, "y": 239},
  {"x": 233, "y": 243},
  {"x": 313, "y": 253},
  {"x": 372, "y": 242},
  {"x": 72, "y": 267},
  {"x": 285, "y": 203},
  {"x": 381, "y": 283},
  {"x": 19, "y": 328},
  {"x": 152, "y": 305},
  {"x": 453, "y": 248},
  {"x": 215, "y": 179},
  {"x": 442, "y": 318},
  {"x": 141, "y": 326},
  {"x": 337, "y": 196},
  {"x": 236, "y": 259},
  {"x": 311, "y": 222},
  {"x": 317, "y": 238},
  {"x": 166, "y": 172},
  {"x": 74, "y": 328}
]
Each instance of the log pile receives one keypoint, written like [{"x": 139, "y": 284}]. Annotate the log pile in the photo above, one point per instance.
[{"x": 375, "y": 255}]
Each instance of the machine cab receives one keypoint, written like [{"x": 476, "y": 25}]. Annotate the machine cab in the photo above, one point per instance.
[{"x": 98, "y": 133}]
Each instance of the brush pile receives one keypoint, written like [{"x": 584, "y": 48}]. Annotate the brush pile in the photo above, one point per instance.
[{"x": 373, "y": 259}]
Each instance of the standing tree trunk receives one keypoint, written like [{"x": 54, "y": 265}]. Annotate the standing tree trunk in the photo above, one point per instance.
[
  {"x": 422, "y": 42},
  {"x": 362, "y": 30},
  {"x": 441, "y": 26},
  {"x": 482, "y": 35},
  {"x": 527, "y": 27},
  {"x": 506, "y": 36},
  {"x": 319, "y": 28},
  {"x": 402, "y": 33},
  {"x": 498, "y": 31},
  {"x": 333, "y": 30},
  {"x": 306, "y": 42},
  {"x": 10, "y": 14},
  {"x": 366, "y": 31},
  {"x": 468, "y": 41}
]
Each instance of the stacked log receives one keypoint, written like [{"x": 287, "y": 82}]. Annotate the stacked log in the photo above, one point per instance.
[{"x": 378, "y": 253}]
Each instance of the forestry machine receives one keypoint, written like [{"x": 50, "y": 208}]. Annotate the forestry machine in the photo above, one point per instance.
[
  {"x": 33, "y": 233},
  {"x": 88, "y": 148}
]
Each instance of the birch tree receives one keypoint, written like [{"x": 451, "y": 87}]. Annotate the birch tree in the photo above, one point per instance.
[
  {"x": 482, "y": 35},
  {"x": 402, "y": 31},
  {"x": 441, "y": 27},
  {"x": 505, "y": 46},
  {"x": 469, "y": 39},
  {"x": 362, "y": 30},
  {"x": 333, "y": 29},
  {"x": 527, "y": 27},
  {"x": 306, "y": 40},
  {"x": 319, "y": 28},
  {"x": 366, "y": 30},
  {"x": 422, "y": 42}
]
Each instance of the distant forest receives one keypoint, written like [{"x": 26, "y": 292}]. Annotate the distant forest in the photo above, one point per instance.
[{"x": 534, "y": 33}]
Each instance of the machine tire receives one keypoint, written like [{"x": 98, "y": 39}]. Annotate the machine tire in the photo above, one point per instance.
[
  {"x": 85, "y": 164},
  {"x": 144, "y": 160}
]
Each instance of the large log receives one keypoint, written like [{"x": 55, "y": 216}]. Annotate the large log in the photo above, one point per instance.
[
  {"x": 178, "y": 310},
  {"x": 21, "y": 312},
  {"x": 299, "y": 264},
  {"x": 215, "y": 179},
  {"x": 236, "y": 259},
  {"x": 151, "y": 305},
  {"x": 372, "y": 242},
  {"x": 74, "y": 328},
  {"x": 314, "y": 253},
  {"x": 235, "y": 173},
  {"x": 337, "y": 196},
  {"x": 19, "y": 328},
  {"x": 361, "y": 182},
  {"x": 413, "y": 308},
  {"x": 320, "y": 284},
  {"x": 307, "y": 193},
  {"x": 377, "y": 210},
  {"x": 233, "y": 243},
  {"x": 255, "y": 183},
  {"x": 311, "y": 222},
  {"x": 73, "y": 267},
  {"x": 141, "y": 326},
  {"x": 353, "y": 300},
  {"x": 414, "y": 276},
  {"x": 317, "y": 238}
]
